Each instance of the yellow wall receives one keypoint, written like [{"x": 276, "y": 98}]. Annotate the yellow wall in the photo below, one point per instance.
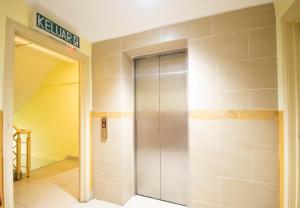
[
  {"x": 52, "y": 114},
  {"x": 20, "y": 12}
]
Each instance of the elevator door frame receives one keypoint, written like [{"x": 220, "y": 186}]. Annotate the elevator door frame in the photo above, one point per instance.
[{"x": 187, "y": 120}]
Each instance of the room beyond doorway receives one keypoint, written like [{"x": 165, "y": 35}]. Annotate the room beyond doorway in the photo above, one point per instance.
[{"x": 46, "y": 121}]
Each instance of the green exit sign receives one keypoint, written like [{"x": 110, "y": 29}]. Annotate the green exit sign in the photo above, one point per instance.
[{"x": 45, "y": 24}]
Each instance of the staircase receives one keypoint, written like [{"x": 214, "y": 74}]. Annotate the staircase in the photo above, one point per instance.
[{"x": 22, "y": 140}]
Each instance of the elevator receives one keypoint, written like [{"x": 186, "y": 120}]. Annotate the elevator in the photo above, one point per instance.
[{"x": 161, "y": 127}]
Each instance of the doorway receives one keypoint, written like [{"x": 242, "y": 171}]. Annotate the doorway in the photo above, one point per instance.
[
  {"x": 161, "y": 127},
  {"x": 46, "y": 124},
  {"x": 15, "y": 29}
]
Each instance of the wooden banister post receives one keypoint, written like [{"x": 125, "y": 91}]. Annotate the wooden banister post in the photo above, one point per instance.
[
  {"x": 18, "y": 162},
  {"x": 28, "y": 155}
]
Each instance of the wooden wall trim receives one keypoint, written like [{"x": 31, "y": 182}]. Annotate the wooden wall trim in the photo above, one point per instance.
[
  {"x": 234, "y": 114},
  {"x": 1, "y": 160}
]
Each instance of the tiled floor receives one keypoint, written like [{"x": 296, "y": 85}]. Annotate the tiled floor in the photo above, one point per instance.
[
  {"x": 57, "y": 185},
  {"x": 54, "y": 186},
  {"x": 144, "y": 202}
]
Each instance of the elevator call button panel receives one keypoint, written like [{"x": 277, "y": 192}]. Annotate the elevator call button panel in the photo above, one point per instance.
[{"x": 103, "y": 128}]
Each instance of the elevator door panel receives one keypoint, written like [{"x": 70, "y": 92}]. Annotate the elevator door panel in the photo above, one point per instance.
[
  {"x": 147, "y": 127},
  {"x": 173, "y": 128},
  {"x": 161, "y": 127}
]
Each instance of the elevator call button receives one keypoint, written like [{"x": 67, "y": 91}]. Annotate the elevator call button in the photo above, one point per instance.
[{"x": 103, "y": 128}]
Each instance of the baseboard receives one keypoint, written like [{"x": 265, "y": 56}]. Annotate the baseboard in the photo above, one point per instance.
[{"x": 72, "y": 157}]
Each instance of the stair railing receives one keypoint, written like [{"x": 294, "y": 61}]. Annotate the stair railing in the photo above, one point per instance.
[{"x": 20, "y": 137}]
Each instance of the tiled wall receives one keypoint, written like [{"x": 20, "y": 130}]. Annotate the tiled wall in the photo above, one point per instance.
[
  {"x": 113, "y": 158},
  {"x": 232, "y": 68}
]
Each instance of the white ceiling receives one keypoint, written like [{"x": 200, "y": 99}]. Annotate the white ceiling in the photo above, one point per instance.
[{"x": 104, "y": 19}]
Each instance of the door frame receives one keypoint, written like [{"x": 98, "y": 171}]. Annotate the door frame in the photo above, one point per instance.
[
  {"x": 289, "y": 65},
  {"x": 14, "y": 28}
]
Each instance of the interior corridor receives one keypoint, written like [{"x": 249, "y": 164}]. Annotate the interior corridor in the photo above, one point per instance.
[{"x": 150, "y": 104}]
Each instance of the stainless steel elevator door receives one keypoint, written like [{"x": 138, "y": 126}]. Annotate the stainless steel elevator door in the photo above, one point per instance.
[
  {"x": 147, "y": 127},
  {"x": 173, "y": 128},
  {"x": 161, "y": 127}
]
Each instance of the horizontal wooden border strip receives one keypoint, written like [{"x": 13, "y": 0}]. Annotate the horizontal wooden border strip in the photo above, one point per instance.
[
  {"x": 111, "y": 114},
  {"x": 207, "y": 114},
  {"x": 234, "y": 114}
]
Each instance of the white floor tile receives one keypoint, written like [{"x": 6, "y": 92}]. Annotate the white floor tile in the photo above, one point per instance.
[
  {"x": 144, "y": 202},
  {"x": 54, "y": 186},
  {"x": 96, "y": 204}
]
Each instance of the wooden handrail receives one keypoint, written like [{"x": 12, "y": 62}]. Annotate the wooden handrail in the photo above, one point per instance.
[
  {"x": 21, "y": 131},
  {"x": 17, "y": 138}
]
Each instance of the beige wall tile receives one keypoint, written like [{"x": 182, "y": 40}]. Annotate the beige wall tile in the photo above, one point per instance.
[
  {"x": 232, "y": 100},
  {"x": 128, "y": 94},
  {"x": 147, "y": 50},
  {"x": 218, "y": 49},
  {"x": 105, "y": 170},
  {"x": 202, "y": 81},
  {"x": 250, "y": 74},
  {"x": 127, "y": 66},
  {"x": 99, "y": 67},
  {"x": 141, "y": 39},
  {"x": 107, "y": 47},
  {"x": 237, "y": 194},
  {"x": 157, "y": 48},
  {"x": 221, "y": 162},
  {"x": 114, "y": 126},
  {"x": 99, "y": 150},
  {"x": 265, "y": 167},
  {"x": 253, "y": 17},
  {"x": 95, "y": 129},
  {"x": 107, "y": 191},
  {"x": 262, "y": 42},
  {"x": 99, "y": 189},
  {"x": 175, "y": 45},
  {"x": 107, "y": 88},
  {"x": 202, "y": 100},
  {"x": 202, "y": 77},
  {"x": 203, "y": 133},
  {"x": 112, "y": 104},
  {"x": 113, "y": 151},
  {"x": 114, "y": 193},
  {"x": 114, "y": 65},
  {"x": 249, "y": 134},
  {"x": 190, "y": 30},
  {"x": 264, "y": 99},
  {"x": 128, "y": 159},
  {"x": 205, "y": 188}
]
